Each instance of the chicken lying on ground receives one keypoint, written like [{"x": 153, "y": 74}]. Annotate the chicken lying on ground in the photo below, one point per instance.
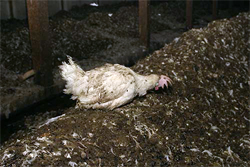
[{"x": 107, "y": 87}]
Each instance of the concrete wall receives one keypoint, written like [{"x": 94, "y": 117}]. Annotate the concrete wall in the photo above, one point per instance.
[{"x": 18, "y": 10}]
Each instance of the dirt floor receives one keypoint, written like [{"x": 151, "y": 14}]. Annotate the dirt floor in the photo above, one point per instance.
[{"x": 203, "y": 119}]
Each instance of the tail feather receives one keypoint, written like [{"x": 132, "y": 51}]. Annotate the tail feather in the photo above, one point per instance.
[{"x": 72, "y": 74}]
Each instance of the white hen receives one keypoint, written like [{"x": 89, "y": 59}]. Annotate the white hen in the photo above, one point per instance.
[{"x": 109, "y": 86}]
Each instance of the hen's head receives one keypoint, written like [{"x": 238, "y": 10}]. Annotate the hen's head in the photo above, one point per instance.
[{"x": 163, "y": 81}]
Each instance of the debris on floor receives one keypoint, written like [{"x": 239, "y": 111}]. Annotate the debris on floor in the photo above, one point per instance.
[{"x": 202, "y": 119}]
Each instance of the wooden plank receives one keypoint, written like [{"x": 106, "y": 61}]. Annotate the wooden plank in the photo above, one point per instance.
[
  {"x": 189, "y": 10},
  {"x": 11, "y": 105},
  {"x": 144, "y": 23},
  {"x": 39, "y": 37},
  {"x": 215, "y": 2}
]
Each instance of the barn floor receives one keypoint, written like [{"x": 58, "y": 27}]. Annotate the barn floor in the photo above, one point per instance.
[{"x": 202, "y": 120}]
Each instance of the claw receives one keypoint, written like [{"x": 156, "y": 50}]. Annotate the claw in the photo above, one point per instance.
[{"x": 164, "y": 80}]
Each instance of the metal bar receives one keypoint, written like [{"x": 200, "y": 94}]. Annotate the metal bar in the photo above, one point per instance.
[
  {"x": 11, "y": 9},
  {"x": 144, "y": 23},
  {"x": 215, "y": 9},
  {"x": 189, "y": 10},
  {"x": 62, "y": 4},
  {"x": 40, "y": 44}
]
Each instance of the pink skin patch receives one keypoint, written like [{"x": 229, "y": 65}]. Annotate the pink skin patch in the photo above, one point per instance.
[{"x": 164, "y": 80}]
